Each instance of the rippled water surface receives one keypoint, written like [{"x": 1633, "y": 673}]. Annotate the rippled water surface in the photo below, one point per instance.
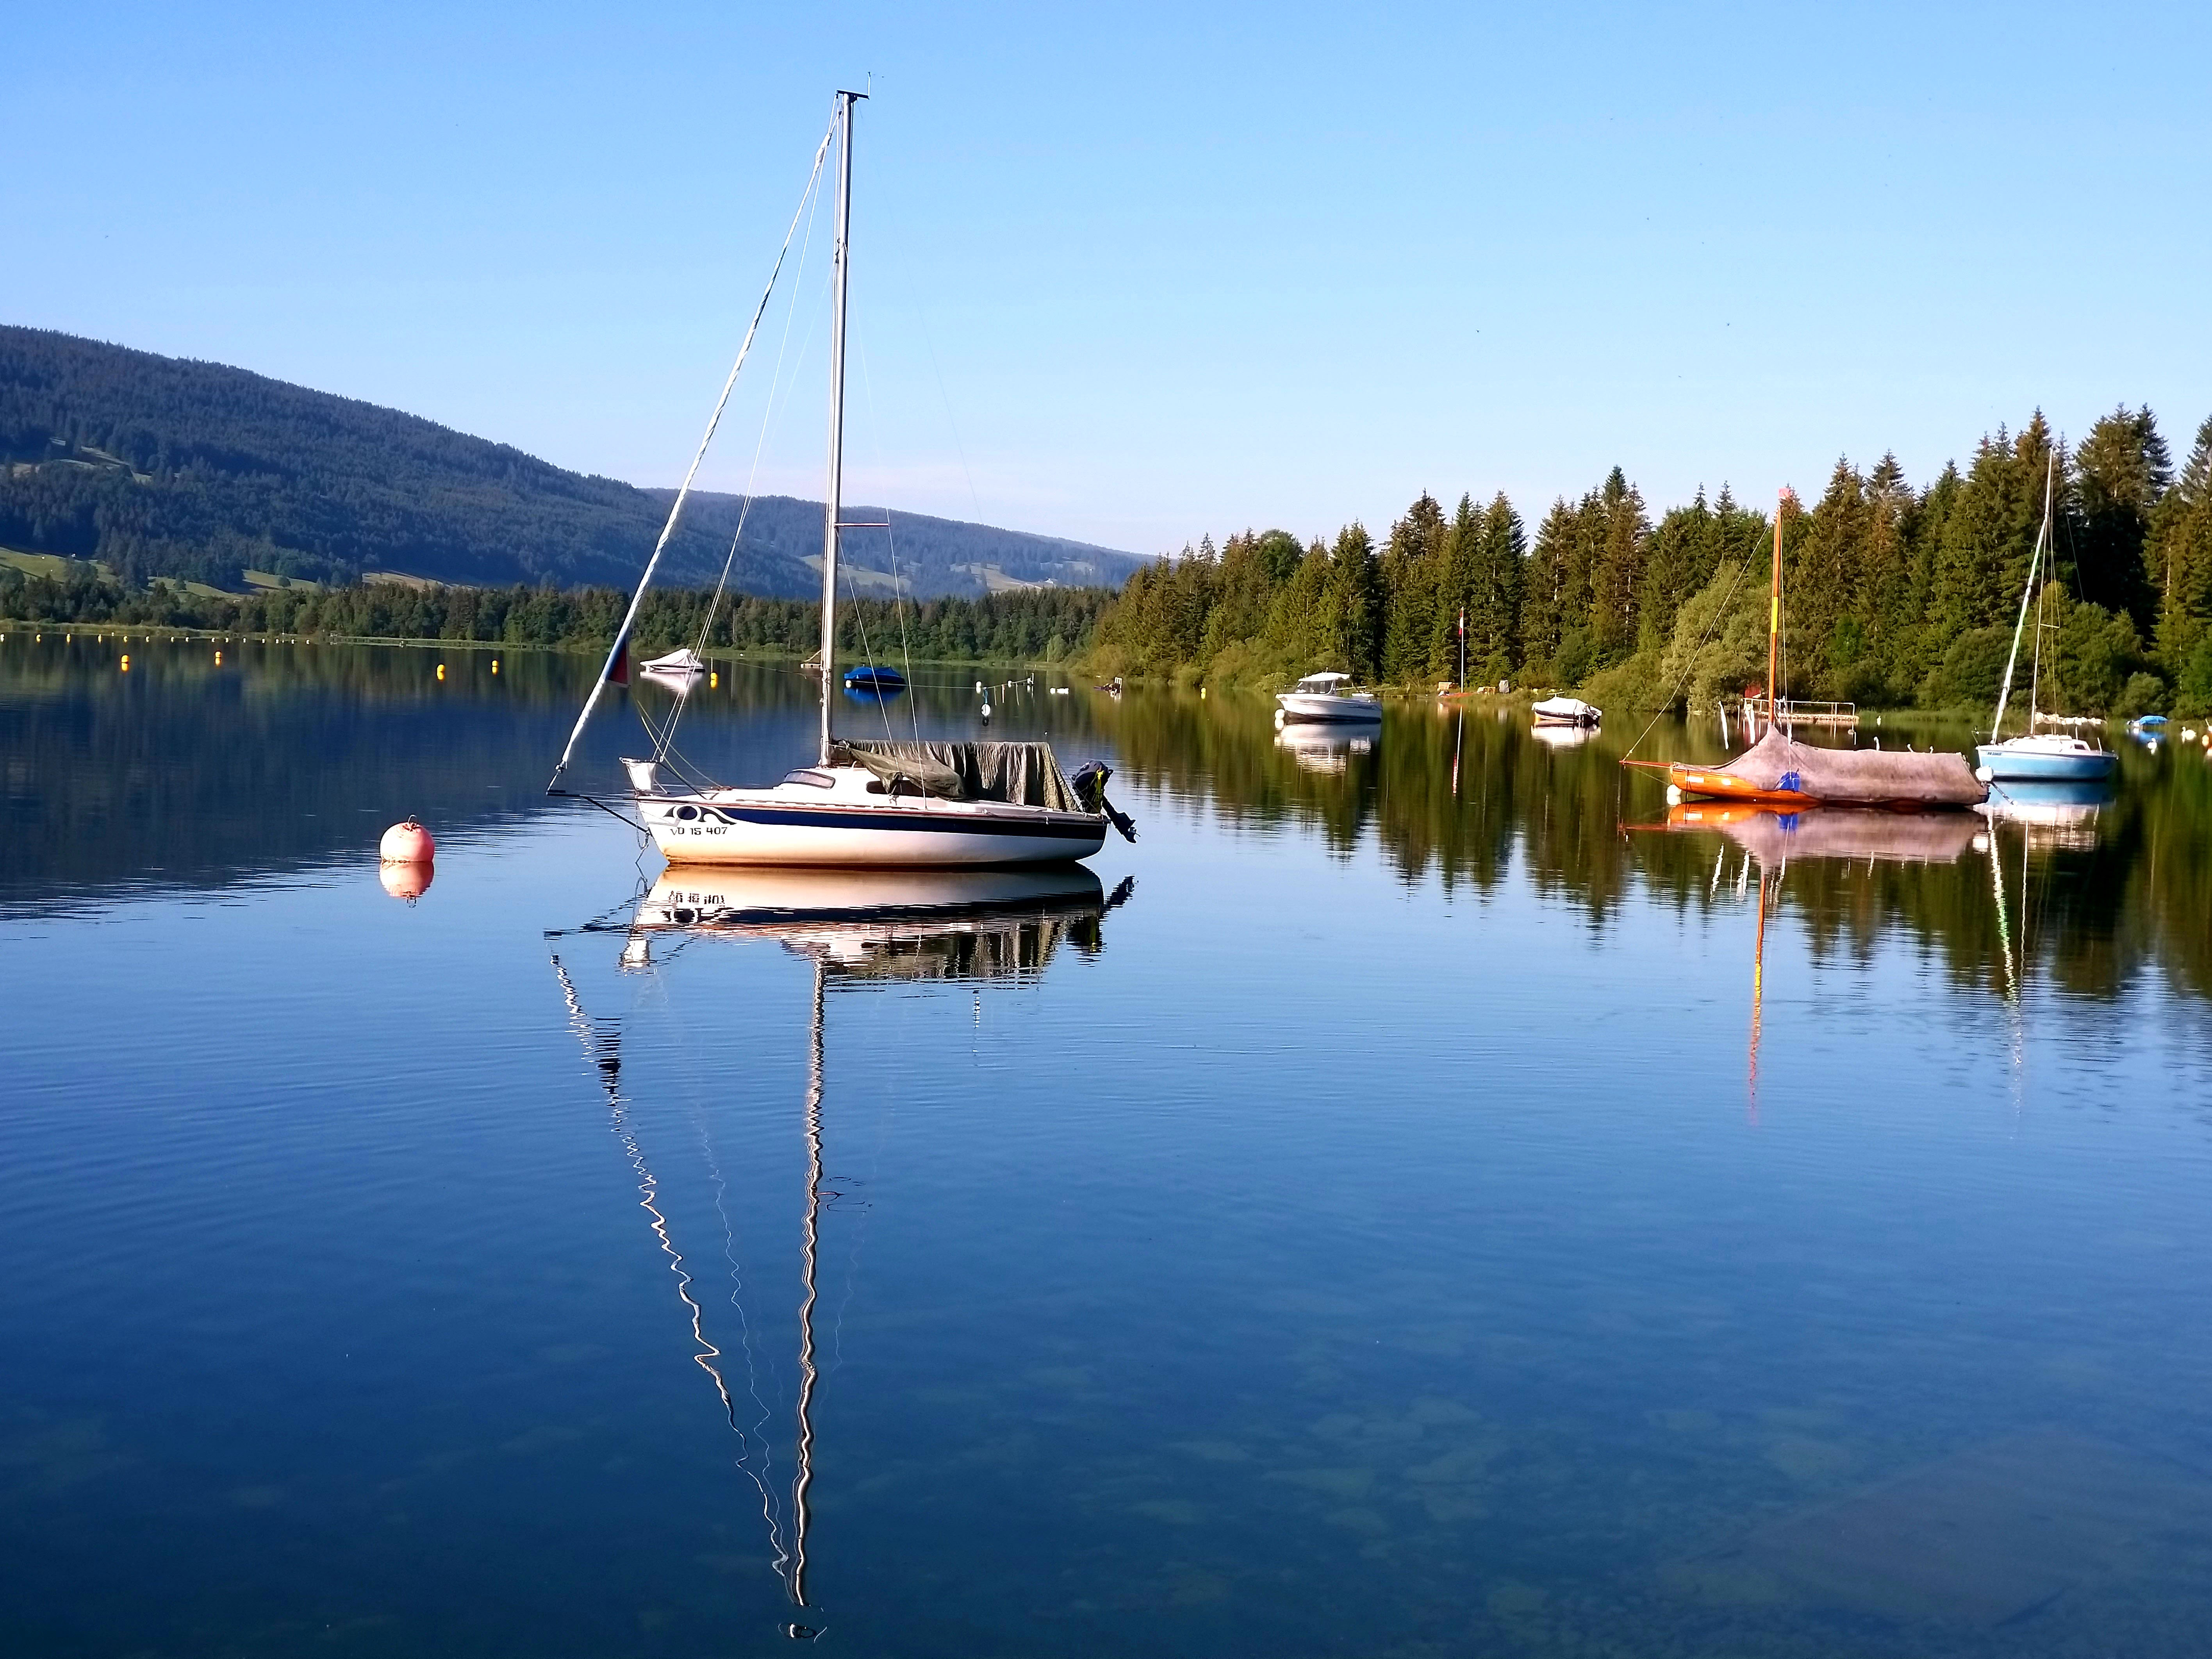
[{"x": 1416, "y": 1201}]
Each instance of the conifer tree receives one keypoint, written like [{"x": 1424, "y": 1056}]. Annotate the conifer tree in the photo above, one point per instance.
[
  {"x": 2180, "y": 550},
  {"x": 1351, "y": 609},
  {"x": 2122, "y": 470},
  {"x": 1616, "y": 531},
  {"x": 1461, "y": 563},
  {"x": 1990, "y": 530},
  {"x": 1827, "y": 587},
  {"x": 1547, "y": 604},
  {"x": 1410, "y": 576},
  {"x": 1494, "y": 615}
]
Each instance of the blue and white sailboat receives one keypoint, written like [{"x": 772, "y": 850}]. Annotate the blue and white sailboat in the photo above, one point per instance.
[{"x": 2037, "y": 756}]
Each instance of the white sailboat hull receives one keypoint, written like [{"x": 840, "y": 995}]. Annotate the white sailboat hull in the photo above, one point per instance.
[{"x": 843, "y": 826}]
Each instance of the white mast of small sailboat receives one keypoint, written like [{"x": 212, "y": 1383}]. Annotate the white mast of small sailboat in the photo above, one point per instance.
[
  {"x": 840, "y": 269},
  {"x": 2035, "y": 558}
]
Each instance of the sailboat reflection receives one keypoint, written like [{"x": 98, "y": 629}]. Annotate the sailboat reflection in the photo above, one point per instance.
[
  {"x": 1769, "y": 839},
  {"x": 1774, "y": 837},
  {"x": 2051, "y": 814},
  {"x": 857, "y": 929}
]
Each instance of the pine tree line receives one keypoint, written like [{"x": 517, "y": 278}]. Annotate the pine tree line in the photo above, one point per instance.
[
  {"x": 1893, "y": 596},
  {"x": 1026, "y": 625}
]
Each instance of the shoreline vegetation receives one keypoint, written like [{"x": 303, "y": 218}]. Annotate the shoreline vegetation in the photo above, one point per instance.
[
  {"x": 1039, "y": 625},
  {"x": 1893, "y": 597}
]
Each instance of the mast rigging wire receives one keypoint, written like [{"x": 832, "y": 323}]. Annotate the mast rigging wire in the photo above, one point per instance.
[
  {"x": 676, "y": 507},
  {"x": 667, "y": 742}
]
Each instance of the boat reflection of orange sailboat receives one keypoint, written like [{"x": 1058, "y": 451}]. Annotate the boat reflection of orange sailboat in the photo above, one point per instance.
[{"x": 1770, "y": 838}]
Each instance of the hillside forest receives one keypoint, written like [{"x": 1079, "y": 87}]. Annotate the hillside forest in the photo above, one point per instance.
[{"x": 1895, "y": 595}]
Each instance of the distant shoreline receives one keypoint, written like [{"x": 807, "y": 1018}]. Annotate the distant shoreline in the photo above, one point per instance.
[{"x": 723, "y": 655}]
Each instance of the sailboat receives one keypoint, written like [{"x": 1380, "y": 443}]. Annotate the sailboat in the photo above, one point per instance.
[
  {"x": 863, "y": 803},
  {"x": 856, "y": 930},
  {"x": 1777, "y": 770},
  {"x": 2037, "y": 756}
]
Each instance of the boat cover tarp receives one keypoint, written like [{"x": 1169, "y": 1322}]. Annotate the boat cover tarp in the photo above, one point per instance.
[
  {"x": 1019, "y": 773},
  {"x": 1857, "y": 777}
]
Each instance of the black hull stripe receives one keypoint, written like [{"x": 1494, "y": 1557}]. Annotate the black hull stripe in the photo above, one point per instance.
[{"x": 877, "y": 818}]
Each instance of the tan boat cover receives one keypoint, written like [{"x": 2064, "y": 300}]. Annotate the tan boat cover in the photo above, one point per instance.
[
  {"x": 1019, "y": 773},
  {"x": 1857, "y": 777}
]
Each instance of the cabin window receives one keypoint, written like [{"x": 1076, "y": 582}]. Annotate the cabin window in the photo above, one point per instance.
[{"x": 809, "y": 775}]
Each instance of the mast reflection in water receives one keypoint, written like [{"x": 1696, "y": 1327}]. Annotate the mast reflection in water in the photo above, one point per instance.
[{"x": 857, "y": 930}]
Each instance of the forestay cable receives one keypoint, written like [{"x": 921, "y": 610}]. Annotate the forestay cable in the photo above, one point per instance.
[
  {"x": 664, "y": 742},
  {"x": 676, "y": 507}
]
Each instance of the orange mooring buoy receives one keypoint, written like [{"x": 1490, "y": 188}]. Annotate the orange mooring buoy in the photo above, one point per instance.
[{"x": 407, "y": 843}]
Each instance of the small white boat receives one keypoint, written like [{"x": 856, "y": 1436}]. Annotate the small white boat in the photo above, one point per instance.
[
  {"x": 677, "y": 668},
  {"x": 1329, "y": 696},
  {"x": 1565, "y": 711}
]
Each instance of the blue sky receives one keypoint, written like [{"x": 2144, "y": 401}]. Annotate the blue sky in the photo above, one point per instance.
[{"x": 1139, "y": 273}]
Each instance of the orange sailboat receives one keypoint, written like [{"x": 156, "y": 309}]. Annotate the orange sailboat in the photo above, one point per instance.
[{"x": 1777, "y": 770}]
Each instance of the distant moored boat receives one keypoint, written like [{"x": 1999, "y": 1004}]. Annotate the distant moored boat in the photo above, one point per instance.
[
  {"x": 1328, "y": 697},
  {"x": 871, "y": 684},
  {"x": 1565, "y": 711}
]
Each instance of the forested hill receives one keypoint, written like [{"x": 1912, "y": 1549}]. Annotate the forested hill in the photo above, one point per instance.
[
  {"x": 164, "y": 466},
  {"x": 1892, "y": 595}
]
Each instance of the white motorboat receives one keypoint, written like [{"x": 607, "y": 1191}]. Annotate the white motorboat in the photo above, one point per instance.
[
  {"x": 1565, "y": 711},
  {"x": 873, "y": 804},
  {"x": 1329, "y": 696}
]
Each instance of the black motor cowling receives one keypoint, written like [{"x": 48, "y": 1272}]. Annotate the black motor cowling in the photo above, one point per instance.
[{"x": 1090, "y": 786}]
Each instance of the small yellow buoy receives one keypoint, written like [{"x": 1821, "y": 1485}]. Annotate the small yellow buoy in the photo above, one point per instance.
[
  {"x": 495, "y": 665},
  {"x": 442, "y": 670},
  {"x": 218, "y": 660},
  {"x": 712, "y": 681},
  {"x": 126, "y": 662}
]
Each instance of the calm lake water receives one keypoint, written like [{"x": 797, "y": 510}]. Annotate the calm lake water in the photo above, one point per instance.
[{"x": 1387, "y": 1225}]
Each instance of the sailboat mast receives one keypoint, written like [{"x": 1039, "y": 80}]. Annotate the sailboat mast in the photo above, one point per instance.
[
  {"x": 1774, "y": 611},
  {"x": 840, "y": 269},
  {"x": 2035, "y": 559}
]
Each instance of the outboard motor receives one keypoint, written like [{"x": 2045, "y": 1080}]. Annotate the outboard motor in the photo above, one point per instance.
[{"x": 1090, "y": 786}]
